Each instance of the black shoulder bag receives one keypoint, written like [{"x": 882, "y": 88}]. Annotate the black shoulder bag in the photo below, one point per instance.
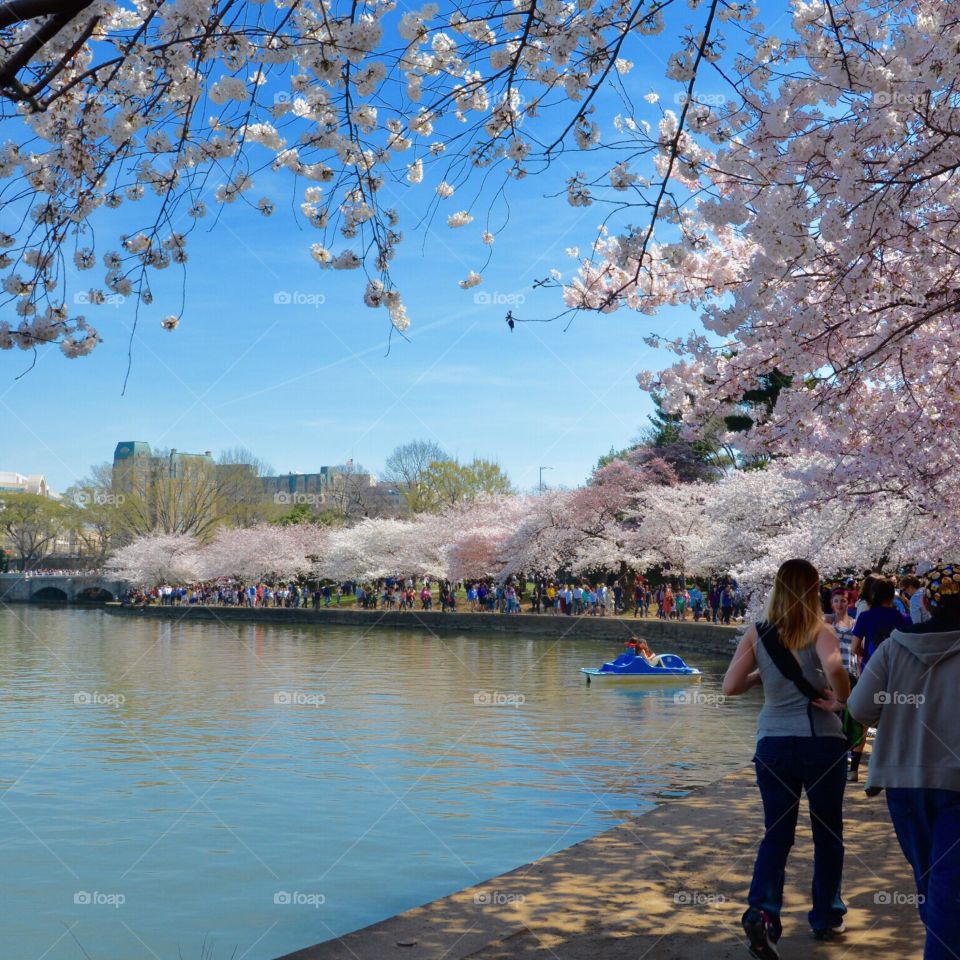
[{"x": 789, "y": 666}]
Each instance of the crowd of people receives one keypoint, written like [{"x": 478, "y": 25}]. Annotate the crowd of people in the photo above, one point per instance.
[
  {"x": 391, "y": 594},
  {"x": 834, "y": 661},
  {"x": 719, "y": 601}
]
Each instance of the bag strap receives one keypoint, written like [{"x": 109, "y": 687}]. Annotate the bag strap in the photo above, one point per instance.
[{"x": 785, "y": 661}]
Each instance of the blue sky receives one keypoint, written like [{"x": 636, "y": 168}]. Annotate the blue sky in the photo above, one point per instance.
[{"x": 309, "y": 383}]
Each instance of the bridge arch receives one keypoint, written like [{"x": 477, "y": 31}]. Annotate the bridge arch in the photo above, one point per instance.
[
  {"x": 95, "y": 594},
  {"x": 50, "y": 595}
]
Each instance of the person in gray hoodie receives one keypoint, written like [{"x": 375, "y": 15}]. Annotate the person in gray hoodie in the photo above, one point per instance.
[{"x": 909, "y": 692}]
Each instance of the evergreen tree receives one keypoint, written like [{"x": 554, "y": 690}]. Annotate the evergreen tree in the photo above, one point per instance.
[{"x": 706, "y": 458}]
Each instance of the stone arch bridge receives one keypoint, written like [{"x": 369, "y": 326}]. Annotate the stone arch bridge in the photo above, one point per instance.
[{"x": 59, "y": 588}]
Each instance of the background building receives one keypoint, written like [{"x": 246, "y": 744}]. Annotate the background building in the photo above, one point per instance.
[
  {"x": 135, "y": 467},
  {"x": 296, "y": 483},
  {"x": 17, "y": 483}
]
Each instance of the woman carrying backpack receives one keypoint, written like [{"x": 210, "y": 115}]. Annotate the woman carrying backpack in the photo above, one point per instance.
[{"x": 801, "y": 746}]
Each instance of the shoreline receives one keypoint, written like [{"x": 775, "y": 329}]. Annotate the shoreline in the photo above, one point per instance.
[
  {"x": 705, "y": 637},
  {"x": 671, "y": 883}
]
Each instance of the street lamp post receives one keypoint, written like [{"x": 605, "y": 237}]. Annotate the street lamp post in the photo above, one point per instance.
[{"x": 541, "y": 477}]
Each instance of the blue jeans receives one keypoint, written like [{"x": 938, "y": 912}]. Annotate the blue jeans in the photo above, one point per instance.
[
  {"x": 927, "y": 822},
  {"x": 785, "y": 767}
]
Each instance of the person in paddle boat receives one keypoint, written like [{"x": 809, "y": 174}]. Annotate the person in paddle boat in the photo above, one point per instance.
[
  {"x": 795, "y": 656},
  {"x": 639, "y": 647}
]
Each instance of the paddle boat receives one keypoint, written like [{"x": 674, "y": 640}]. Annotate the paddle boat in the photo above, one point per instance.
[{"x": 637, "y": 663}]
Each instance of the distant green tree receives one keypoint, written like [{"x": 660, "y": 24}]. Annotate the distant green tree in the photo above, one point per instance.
[
  {"x": 304, "y": 513},
  {"x": 758, "y": 402},
  {"x": 407, "y": 467},
  {"x": 756, "y": 405},
  {"x": 240, "y": 499},
  {"x": 31, "y": 525},
  {"x": 614, "y": 454},
  {"x": 95, "y": 516},
  {"x": 707, "y": 458},
  {"x": 449, "y": 483}
]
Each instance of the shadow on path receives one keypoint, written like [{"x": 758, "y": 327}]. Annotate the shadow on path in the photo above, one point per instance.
[{"x": 669, "y": 885}]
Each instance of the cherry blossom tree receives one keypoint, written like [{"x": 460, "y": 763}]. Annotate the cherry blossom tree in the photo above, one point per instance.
[
  {"x": 756, "y": 519},
  {"x": 810, "y": 215},
  {"x": 631, "y": 515},
  {"x": 670, "y": 527},
  {"x": 745, "y": 513},
  {"x": 478, "y": 537},
  {"x": 172, "y": 109},
  {"x": 264, "y": 552},
  {"x": 369, "y": 550},
  {"x": 427, "y": 542},
  {"x": 588, "y": 528},
  {"x": 454, "y": 544},
  {"x": 157, "y": 559}
]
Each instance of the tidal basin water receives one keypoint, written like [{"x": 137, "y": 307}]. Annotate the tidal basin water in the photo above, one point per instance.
[{"x": 166, "y": 788}]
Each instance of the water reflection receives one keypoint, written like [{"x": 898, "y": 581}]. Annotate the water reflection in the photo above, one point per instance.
[{"x": 267, "y": 787}]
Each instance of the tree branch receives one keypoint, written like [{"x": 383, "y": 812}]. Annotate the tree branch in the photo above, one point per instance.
[{"x": 42, "y": 35}]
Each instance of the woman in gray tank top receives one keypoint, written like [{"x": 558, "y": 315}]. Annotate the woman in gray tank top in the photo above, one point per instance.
[{"x": 800, "y": 747}]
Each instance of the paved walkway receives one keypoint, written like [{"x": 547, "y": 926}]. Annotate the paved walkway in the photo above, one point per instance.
[{"x": 666, "y": 886}]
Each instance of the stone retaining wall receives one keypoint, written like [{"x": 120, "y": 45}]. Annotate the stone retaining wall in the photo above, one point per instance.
[{"x": 662, "y": 634}]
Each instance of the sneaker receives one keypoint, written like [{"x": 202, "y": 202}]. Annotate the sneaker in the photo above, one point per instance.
[
  {"x": 760, "y": 929},
  {"x": 828, "y": 933},
  {"x": 853, "y": 776}
]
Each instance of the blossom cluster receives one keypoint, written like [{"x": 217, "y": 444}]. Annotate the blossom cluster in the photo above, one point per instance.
[
  {"x": 172, "y": 110},
  {"x": 809, "y": 218}
]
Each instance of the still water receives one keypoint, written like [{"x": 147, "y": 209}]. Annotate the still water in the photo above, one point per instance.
[{"x": 255, "y": 789}]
